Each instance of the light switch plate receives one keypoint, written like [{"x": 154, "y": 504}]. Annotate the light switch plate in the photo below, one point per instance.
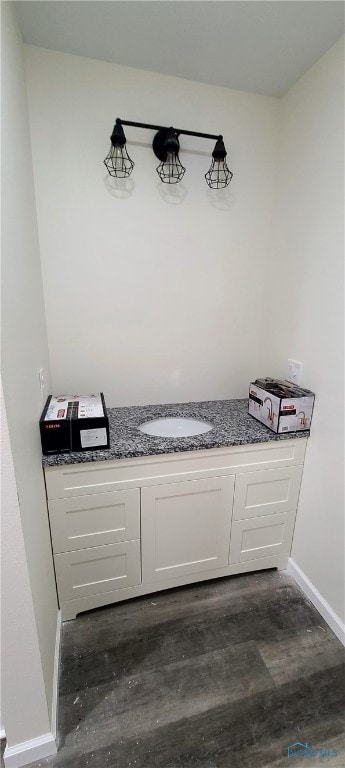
[
  {"x": 294, "y": 372},
  {"x": 42, "y": 383}
]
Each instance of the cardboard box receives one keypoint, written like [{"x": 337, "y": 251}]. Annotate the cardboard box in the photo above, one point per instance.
[
  {"x": 281, "y": 406},
  {"x": 74, "y": 423}
]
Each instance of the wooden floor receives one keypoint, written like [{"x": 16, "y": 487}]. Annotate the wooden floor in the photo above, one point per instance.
[{"x": 225, "y": 674}]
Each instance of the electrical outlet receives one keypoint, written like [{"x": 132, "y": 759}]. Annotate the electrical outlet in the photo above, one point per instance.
[
  {"x": 42, "y": 383},
  {"x": 294, "y": 371}
]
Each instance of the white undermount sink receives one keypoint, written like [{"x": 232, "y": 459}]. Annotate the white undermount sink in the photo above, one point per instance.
[{"x": 175, "y": 427}]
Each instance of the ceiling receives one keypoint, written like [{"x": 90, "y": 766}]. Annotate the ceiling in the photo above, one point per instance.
[{"x": 261, "y": 45}]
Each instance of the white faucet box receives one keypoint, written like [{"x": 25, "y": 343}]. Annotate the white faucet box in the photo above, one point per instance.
[
  {"x": 281, "y": 406},
  {"x": 74, "y": 423}
]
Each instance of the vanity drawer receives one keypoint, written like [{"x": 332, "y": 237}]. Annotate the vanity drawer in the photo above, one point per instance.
[
  {"x": 261, "y": 537},
  {"x": 267, "y": 492},
  {"x": 90, "y": 521},
  {"x": 97, "y": 570}
]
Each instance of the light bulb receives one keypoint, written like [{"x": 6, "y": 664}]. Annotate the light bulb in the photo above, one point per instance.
[{"x": 118, "y": 158}]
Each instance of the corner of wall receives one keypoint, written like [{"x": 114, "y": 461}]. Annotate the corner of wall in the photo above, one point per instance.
[{"x": 24, "y": 350}]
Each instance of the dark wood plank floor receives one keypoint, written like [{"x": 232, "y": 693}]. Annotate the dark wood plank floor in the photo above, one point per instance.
[{"x": 225, "y": 674}]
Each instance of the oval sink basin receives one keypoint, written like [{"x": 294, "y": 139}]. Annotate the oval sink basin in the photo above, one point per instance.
[{"x": 175, "y": 427}]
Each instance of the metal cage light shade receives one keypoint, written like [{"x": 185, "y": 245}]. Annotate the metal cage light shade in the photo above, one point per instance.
[
  {"x": 117, "y": 162},
  {"x": 218, "y": 176},
  {"x": 170, "y": 170}
]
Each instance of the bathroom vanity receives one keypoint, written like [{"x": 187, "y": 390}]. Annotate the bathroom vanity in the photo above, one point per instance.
[{"x": 152, "y": 513}]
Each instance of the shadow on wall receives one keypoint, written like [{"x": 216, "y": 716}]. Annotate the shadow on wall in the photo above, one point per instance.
[
  {"x": 173, "y": 194},
  {"x": 221, "y": 199},
  {"x": 120, "y": 188}
]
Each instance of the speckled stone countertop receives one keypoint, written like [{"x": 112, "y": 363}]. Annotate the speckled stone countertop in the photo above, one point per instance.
[{"x": 232, "y": 426}]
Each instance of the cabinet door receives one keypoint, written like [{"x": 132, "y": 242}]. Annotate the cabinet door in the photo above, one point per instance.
[
  {"x": 97, "y": 570},
  {"x": 261, "y": 537},
  {"x": 267, "y": 492},
  {"x": 89, "y": 521},
  {"x": 185, "y": 527}
]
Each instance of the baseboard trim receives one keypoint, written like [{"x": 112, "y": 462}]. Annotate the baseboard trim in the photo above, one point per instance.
[
  {"x": 46, "y": 745},
  {"x": 29, "y": 751},
  {"x": 55, "y": 697},
  {"x": 321, "y": 605}
]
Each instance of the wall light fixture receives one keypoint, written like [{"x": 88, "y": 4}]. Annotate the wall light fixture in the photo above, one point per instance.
[{"x": 166, "y": 147}]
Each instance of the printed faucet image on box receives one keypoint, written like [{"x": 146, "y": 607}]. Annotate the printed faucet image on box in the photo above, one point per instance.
[
  {"x": 281, "y": 406},
  {"x": 74, "y": 423}
]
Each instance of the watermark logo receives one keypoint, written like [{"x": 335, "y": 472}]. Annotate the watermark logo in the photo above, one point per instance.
[{"x": 304, "y": 750}]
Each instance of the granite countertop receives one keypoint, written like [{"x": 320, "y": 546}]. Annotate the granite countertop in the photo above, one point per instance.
[{"x": 232, "y": 426}]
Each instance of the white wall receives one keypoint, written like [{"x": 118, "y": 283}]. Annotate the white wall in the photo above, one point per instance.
[
  {"x": 148, "y": 299},
  {"x": 304, "y": 302},
  {"x": 24, "y": 352},
  {"x": 24, "y": 703}
]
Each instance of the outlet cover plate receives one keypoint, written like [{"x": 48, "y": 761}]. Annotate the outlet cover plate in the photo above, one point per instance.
[{"x": 294, "y": 371}]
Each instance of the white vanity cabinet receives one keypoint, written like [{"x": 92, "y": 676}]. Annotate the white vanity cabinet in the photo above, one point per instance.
[{"x": 128, "y": 527}]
